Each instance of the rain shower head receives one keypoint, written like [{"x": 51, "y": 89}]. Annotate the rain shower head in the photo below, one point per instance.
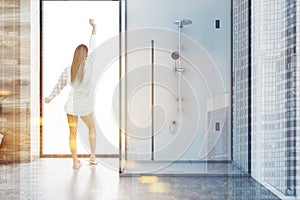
[{"x": 182, "y": 22}]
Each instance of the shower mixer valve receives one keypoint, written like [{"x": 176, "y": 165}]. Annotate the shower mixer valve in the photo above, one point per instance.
[{"x": 178, "y": 69}]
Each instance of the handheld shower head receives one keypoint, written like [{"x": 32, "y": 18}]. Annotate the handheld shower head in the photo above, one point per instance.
[{"x": 175, "y": 55}]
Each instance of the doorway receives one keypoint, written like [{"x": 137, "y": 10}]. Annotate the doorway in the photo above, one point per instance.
[{"x": 64, "y": 26}]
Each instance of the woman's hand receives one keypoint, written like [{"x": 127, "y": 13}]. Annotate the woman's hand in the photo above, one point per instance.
[
  {"x": 47, "y": 100},
  {"x": 93, "y": 24}
]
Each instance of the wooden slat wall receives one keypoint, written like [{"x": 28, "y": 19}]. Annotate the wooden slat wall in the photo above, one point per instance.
[{"x": 15, "y": 80}]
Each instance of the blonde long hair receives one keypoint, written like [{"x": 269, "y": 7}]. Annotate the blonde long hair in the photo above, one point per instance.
[{"x": 77, "y": 66}]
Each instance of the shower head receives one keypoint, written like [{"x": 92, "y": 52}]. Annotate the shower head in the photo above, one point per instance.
[{"x": 181, "y": 22}]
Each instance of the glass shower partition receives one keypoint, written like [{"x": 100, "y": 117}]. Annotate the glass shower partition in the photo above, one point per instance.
[{"x": 175, "y": 89}]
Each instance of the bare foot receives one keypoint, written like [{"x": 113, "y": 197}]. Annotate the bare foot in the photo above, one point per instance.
[
  {"x": 77, "y": 165},
  {"x": 93, "y": 160}
]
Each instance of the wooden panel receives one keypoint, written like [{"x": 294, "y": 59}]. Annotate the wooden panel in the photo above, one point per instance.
[{"x": 15, "y": 80}]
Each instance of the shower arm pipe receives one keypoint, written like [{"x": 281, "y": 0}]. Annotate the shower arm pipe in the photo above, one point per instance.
[{"x": 179, "y": 47}]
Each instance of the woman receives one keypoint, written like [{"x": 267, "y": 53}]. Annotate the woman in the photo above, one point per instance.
[{"x": 78, "y": 103}]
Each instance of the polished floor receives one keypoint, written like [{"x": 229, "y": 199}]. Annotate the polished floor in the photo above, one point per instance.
[
  {"x": 55, "y": 179},
  {"x": 181, "y": 168}
]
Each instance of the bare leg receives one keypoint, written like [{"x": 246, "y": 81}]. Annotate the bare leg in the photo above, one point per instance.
[
  {"x": 72, "y": 122},
  {"x": 89, "y": 121}
]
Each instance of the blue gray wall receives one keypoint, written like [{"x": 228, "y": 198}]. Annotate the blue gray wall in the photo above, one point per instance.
[{"x": 206, "y": 60}]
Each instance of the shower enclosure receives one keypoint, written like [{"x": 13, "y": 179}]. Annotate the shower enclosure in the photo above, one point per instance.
[{"x": 174, "y": 90}]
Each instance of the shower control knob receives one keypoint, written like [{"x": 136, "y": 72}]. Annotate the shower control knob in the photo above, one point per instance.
[{"x": 180, "y": 69}]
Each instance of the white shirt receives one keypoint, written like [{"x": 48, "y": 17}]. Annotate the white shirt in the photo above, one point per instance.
[{"x": 79, "y": 101}]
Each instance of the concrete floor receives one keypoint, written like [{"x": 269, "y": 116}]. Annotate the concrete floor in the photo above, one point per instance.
[{"x": 54, "y": 178}]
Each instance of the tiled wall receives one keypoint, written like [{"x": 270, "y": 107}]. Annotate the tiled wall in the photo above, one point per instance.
[
  {"x": 241, "y": 117},
  {"x": 15, "y": 80}
]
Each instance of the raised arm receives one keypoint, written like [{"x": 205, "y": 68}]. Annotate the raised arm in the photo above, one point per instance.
[{"x": 92, "y": 44}]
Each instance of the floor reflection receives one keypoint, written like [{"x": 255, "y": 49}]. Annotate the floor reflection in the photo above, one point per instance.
[{"x": 55, "y": 179}]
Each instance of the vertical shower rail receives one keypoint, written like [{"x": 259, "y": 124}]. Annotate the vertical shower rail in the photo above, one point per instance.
[
  {"x": 180, "y": 69},
  {"x": 179, "y": 72}
]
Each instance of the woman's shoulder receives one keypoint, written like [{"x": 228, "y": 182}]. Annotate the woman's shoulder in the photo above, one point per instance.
[{"x": 89, "y": 62}]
